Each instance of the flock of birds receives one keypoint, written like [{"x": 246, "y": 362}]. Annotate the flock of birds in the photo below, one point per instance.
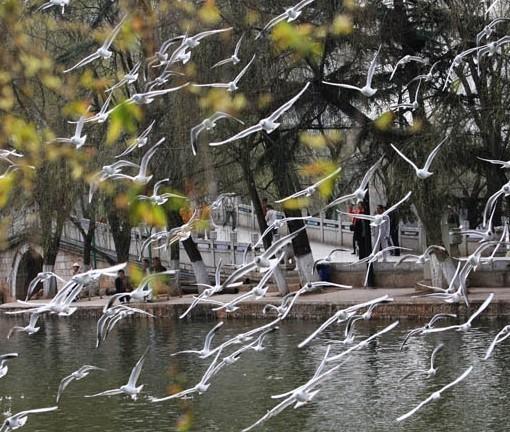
[{"x": 230, "y": 351}]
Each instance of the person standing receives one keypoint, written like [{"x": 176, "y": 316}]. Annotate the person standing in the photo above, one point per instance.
[
  {"x": 157, "y": 267},
  {"x": 157, "y": 284},
  {"x": 146, "y": 266},
  {"x": 271, "y": 217},
  {"x": 76, "y": 269},
  {"x": 230, "y": 211},
  {"x": 364, "y": 236},
  {"x": 122, "y": 285},
  {"x": 355, "y": 232}
]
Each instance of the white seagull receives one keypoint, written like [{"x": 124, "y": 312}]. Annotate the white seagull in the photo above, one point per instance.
[
  {"x": 290, "y": 14},
  {"x": 149, "y": 96},
  {"x": 208, "y": 124},
  {"x": 18, "y": 420},
  {"x": 427, "y": 372},
  {"x": 103, "y": 51},
  {"x": 268, "y": 124},
  {"x": 206, "y": 350},
  {"x": 436, "y": 395},
  {"x": 379, "y": 219},
  {"x": 142, "y": 177},
  {"x": 103, "y": 114},
  {"x": 199, "y": 388},
  {"x": 504, "y": 164},
  {"x": 500, "y": 337},
  {"x": 310, "y": 190},
  {"x": 420, "y": 330},
  {"x": 231, "y": 86},
  {"x": 59, "y": 3},
  {"x": 77, "y": 139},
  {"x": 367, "y": 90},
  {"x": 234, "y": 58},
  {"x": 420, "y": 259},
  {"x": 41, "y": 277},
  {"x": 130, "y": 77},
  {"x": 277, "y": 224},
  {"x": 130, "y": 388},
  {"x": 467, "y": 325},
  {"x": 140, "y": 141},
  {"x": 421, "y": 173},
  {"x": 4, "y": 358},
  {"x": 77, "y": 375},
  {"x": 407, "y": 59},
  {"x": 360, "y": 192},
  {"x": 157, "y": 198},
  {"x": 413, "y": 106},
  {"x": 29, "y": 329}
]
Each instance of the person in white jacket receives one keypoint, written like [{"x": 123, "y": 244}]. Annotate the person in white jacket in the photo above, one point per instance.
[{"x": 271, "y": 217}]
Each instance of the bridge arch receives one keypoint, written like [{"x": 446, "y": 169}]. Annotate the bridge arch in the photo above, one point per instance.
[{"x": 27, "y": 263}]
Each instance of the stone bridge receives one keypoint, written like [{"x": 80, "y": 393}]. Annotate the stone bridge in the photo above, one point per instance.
[{"x": 22, "y": 259}]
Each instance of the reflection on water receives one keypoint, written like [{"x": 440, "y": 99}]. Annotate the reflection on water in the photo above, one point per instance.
[{"x": 364, "y": 395}]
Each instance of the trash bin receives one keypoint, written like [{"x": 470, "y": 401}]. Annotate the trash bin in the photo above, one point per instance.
[{"x": 324, "y": 271}]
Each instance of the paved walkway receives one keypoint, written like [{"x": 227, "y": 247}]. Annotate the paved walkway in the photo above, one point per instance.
[
  {"x": 319, "y": 250},
  {"x": 318, "y": 306}
]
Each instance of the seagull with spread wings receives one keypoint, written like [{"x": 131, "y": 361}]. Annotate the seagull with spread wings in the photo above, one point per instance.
[
  {"x": 231, "y": 86},
  {"x": 436, "y": 395},
  {"x": 367, "y": 90},
  {"x": 310, "y": 190},
  {"x": 130, "y": 389},
  {"x": 421, "y": 173},
  {"x": 103, "y": 51},
  {"x": 290, "y": 14},
  {"x": 208, "y": 124},
  {"x": 234, "y": 58},
  {"x": 268, "y": 124}
]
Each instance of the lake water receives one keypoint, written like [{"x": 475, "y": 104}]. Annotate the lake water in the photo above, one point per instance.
[{"x": 364, "y": 395}]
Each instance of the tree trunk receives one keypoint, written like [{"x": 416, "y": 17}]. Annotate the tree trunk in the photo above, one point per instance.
[
  {"x": 198, "y": 265},
  {"x": 278, "y": 276},
  {"x": 121, "y": 233},
  {"x": 286, "y": 184}
]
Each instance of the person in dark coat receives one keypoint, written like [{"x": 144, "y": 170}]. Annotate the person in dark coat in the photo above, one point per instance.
[
  {"x": 364, "y": 236},
  {"x": 122, "y": 285}
]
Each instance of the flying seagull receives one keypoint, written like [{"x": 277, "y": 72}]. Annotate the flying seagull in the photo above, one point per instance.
[
  {"x": 130, "y": 388},
  {"x": 367, "y": 90},
  {"x": 231, "y": 86},
  {"x": 310, "y": 190},
  {"x": 234, "y": 58},
  {"x": 156, "y": 197},
  {"x": 427, "y": 372},
  {"x": 208, "y": 124},
  {"x": 140, "y": 141},
  {"x": 78, "y": 140},
  {"x": 18, "y": 420},
  {"x": 103, "y": 51},
  {"x": 267, "y": 124},
  {"x": 77, "y": 375},
  {"x": 4, "y": 358},
  {"x": 407, "y": 59},
  {"x": 436, "y": 395},
  {"x": 290, "y": 14},
  {"x": 421, "y": 173},
  {"x": 360, "y": 192}
]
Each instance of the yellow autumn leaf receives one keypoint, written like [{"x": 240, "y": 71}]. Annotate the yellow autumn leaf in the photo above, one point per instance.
[
  {"x": 6, "y": 184},
  {"x": 209, "y": 13},
  {"x": 342, "y": 25},
  {"x": 384, "y": 121},
  {"x": 296, "y": 203},
  {"x": 124, "y": 118}
]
